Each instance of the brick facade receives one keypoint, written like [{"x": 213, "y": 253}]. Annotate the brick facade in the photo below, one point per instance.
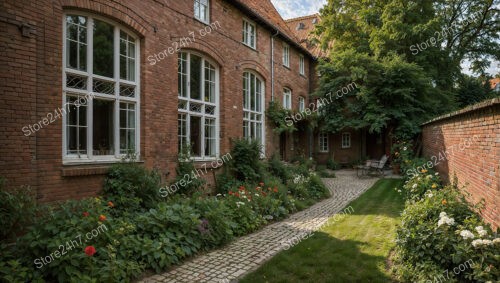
[
  {"x": 31, "y": 41},
  {"x": 472, "y": 139}
]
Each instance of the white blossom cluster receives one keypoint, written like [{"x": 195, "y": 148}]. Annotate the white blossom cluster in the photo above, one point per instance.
[{"x": 444, "y": 219}]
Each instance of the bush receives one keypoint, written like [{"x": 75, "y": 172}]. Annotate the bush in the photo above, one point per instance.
[
  {"x": 226, "y": 182},
  {"x": 132, "y": 187},
  {"x": 246, "y": 160},
  {"x": 279, "y": 169},
  {"x": 186, "y": 173},
  {"x": 437, "y": 235},
  {"x": 332, "y": 165},
  {"x": 17, "y": 211}
]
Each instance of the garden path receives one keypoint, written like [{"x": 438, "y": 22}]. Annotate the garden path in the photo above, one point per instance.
[{"x": 245, "y": 254}]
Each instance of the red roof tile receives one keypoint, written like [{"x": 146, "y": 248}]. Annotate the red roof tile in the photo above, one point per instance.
[{"x": 303, "y": 27}]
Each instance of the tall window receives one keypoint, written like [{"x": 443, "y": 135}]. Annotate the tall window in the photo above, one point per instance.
[
  {"x": 346, "y": 140},
  {"x": 202, "y": 10},
  {"x": 253, "y": 107},
  {"x": 302, "y": 104},
  {"x": 287, "y": 98},
  {"x": 100, "y": 88},
  {"x": 198, "y": 87},
  {"x": 249, "y": 34},
  {"x": 286, "y": 55},
  {"x": 323, "y": 142},
  {"x": 302, "y": 65}
]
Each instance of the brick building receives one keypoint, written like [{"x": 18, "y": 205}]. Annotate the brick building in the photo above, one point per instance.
[{"x": 85, "y": 81}]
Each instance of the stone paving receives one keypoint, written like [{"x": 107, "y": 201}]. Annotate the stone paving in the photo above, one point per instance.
[{"x": 247, "y": 253}]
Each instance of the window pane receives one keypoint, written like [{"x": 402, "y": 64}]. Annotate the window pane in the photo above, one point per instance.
[
  {"x": 245, "y": 90},
  {"x": 209, "y": 137},
  {"x": 252, "y": 92},
  {"x": 195, "y": 135},
  {"x": 182, "y": 74},
  {"x": 127, "y": 127},
  {"x": 76, "y": 121},
  {"x": 258, "y": 96},
  {"x": 103, "y": 131},
  {"x": 195, "y": 77},
  {"x": 103, "y": 49},
  {"x": 181, "y": 132},
  {"x": 76, "y": 42},
  {"x": 209, "y": 82}
]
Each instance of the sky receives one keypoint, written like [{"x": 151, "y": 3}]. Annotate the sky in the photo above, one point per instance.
[{"x": 297, "y": 8}]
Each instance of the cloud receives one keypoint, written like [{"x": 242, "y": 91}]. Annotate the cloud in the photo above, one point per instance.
[{"x": 297, "y": 8}]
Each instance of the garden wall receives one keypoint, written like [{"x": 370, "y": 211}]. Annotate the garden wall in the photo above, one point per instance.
[{"x": 466, "y": 145}]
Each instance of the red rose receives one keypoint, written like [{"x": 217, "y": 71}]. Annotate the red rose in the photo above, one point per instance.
[
  {"x": 89, "y": 250},
  {"x": 86, "y": 214},
  {"x": 237, "y": 194},
  {"x": 275, "y": 190},
  {"x": 102, "y": 217}
]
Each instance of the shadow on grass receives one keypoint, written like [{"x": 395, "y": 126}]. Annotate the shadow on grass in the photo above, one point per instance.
[{"x": 323, "y": 259}]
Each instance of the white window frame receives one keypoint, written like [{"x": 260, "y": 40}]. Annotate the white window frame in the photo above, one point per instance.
[
  {"x": 323, "y": 142},
  {"x": 287, "y": 98},
  {"x": 92, "y": 96},
  {"x": 286, "y": 55},
  {"x": 248, "y": 36},
  {"x": 202, "y": 114},
  {"x": 302, "y": 66},
  {"x": 207, "y": 9},
  {"x": 248, "y": 113},
  {"x": 346, "y": 140},
  {"x": 302, "y": 104}
]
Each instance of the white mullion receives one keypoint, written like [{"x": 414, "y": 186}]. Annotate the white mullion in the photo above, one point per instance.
[
  {"x": 116, "y": 117},
  {"x": 138, "y": 99},
  {"x": 90, "y": 70},
  {"x": 202, "y": 86},
  {"x": 65, "y": 113},
  {"x": 188, "y": 96}
]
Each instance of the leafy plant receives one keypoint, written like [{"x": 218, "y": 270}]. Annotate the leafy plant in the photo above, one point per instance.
[
  {"x": 246, "y": 160},
  {"x": 17, "y": 211},
  {"x": 332, "y": 165},
  {"x": 278, "y": 115}
]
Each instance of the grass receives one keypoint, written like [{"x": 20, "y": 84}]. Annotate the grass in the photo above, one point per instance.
[{"x": 355, "y": 248}]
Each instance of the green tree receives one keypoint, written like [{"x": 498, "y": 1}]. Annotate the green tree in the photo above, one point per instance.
[
  {"x": 404, "y": 55},
  {"x": 473, "y": 90}
]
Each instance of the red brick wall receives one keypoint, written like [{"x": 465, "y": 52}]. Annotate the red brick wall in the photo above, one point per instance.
[
  {"x": 472, "y": 139},
  {"x": 31, "y": 85}
]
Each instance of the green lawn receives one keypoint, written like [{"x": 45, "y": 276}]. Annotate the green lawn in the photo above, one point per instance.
[{"x": 353, "y": 249}]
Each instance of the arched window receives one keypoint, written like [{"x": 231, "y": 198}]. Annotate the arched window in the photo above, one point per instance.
[
  {"x": 100, "y": 89},
  {"x": 253, "y": 107},
  {"x": 198, "y": 88}
]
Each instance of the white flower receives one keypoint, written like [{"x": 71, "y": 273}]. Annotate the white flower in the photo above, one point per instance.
[
  {"x": 487, "y": 242},
  {"x": 466, "y": 234},
  {"x": 218, "y": 195},
  {"x": 257, "y": 195},
  {"x": 477, "y": 243},
  {"x": 238, "y": 203},
  {"x": 496, "y": 241},
  {"x": 404, "y": 148},
  {"x": 436, "y": 173},
  {"x": 414, "y": 186},
  {"x": 480, "y": 230},
  {"x": 399, "y": 191},
  {"x": 444, "y": 219},
  {"x": 442, "y": 214},
  {"x": 428, "y": 176}
]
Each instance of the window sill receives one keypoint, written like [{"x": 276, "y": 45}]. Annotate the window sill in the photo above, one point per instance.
[
  {"x": 87, "y": 168},
  {"x": 249, "y": 46},
  {"x": 207, "y": 23},
  {"x": 286, "y": 67}
]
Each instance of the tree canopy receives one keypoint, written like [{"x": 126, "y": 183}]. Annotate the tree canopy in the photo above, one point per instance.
[{"x": 405, "y": 55}]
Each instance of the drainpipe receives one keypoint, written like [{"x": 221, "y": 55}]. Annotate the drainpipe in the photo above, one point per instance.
[{"x": 272, "y": 63}]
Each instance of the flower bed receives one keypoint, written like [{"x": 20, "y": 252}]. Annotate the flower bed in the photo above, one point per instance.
[
  {"x": 131, "y": 229},
  {"x": 440, "y": 232}
]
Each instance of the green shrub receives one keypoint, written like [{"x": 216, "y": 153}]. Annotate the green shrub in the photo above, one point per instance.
[
  {"x": 278, "y": 168},
  {"x": 132, "y": 187},
  {"x": 246, "y": 160},
  {"x": 226, "y": 182},
  {"x": 187, "y": 175},
  {"x": 332, "y": 165},
  {"x": 415, "y": 188},
  {"x": 17, "y": 211},
  {"x": 431, "y": 238}
]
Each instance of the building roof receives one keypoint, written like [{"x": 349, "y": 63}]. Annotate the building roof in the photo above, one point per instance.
[
  {"x": 265, "y": 12},
  {"x": 303, "y": 27},
  {"x": 494, "y": 83}
]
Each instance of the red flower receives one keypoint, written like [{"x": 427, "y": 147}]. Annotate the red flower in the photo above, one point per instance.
[
  {"x": 89, "y": 250},
  {"x": 264, "y": 194},
  {"x": 275, "y": 190},
  {"x": 111, "y": 204},
  {"x": 86, "y": 214},
  {"x": 249, "y": 198},
  {"x": 102, "y": 217},
  {"x": 261, "y": 184},
  {"x": 237, "y": 194},
  {"x": 241, "y": 188},
  {"x": 230, "y": 193},
  {"x": 269, "y": 189},
  {"x": 258, "y": 189}
]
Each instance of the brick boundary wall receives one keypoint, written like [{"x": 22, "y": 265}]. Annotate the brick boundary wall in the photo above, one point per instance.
[{"x": 471, "y": 138}]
